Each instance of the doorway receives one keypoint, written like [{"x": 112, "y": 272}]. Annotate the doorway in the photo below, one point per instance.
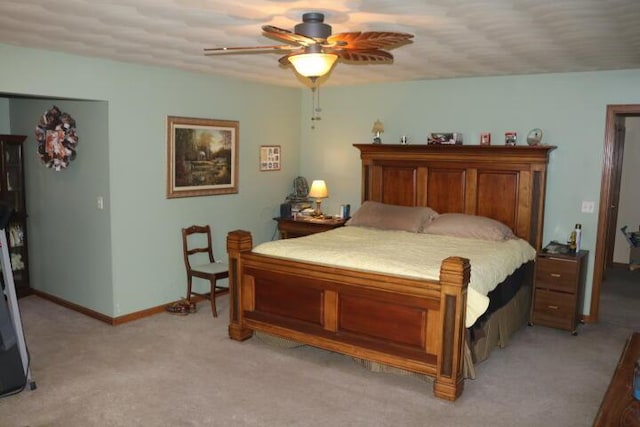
[{"x": 609, "y": 195}]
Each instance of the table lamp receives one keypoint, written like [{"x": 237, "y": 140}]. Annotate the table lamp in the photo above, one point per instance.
[
  {"x": 377, "y": 129},
  {"x": 318, "y": 191}
]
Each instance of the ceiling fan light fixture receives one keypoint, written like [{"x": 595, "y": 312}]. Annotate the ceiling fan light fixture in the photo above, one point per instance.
[{"x": 313, "y": 64}]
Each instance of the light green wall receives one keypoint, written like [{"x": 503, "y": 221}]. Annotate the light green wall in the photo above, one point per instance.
[
  {"x": 144, "y": 226},
  {"x": 569, "y": 108},
  {"x": 144, "y": 230},
  {"x": 62, "y": 220}
]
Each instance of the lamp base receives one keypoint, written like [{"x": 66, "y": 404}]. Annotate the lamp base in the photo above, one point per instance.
[{"x": 318, "y": 212}]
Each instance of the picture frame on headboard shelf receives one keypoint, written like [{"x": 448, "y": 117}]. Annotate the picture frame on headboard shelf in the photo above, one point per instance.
[{"x": 444, "y": 138}]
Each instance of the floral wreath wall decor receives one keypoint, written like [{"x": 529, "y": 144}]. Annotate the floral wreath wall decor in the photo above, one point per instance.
[{"x": 57, "y": 139}]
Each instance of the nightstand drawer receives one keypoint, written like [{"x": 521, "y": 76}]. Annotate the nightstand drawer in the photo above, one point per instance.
[
  {"x": 290, "y": 228},
  {"x": 554, "y": 309},
  {"x": 557, "y": 274}
]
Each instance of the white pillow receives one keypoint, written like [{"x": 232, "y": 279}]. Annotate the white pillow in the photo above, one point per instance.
[
  {"x": 392, "y": 217},
  {"x": 471, "y": 226}
]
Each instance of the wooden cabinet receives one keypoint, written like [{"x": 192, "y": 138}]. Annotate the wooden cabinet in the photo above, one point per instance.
[
  {"x": 618, "y": 407},
  {"x": 12, "y": 192},
  {"x": 559, "y": 290},
  {"x": 289, "y": 228}
]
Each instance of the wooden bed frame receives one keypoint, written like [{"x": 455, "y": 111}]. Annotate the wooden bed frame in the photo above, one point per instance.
[{"x": 416, "y": 325}]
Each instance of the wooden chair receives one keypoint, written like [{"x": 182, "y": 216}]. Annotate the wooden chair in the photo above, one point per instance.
[{"x": 211, "y": 270}]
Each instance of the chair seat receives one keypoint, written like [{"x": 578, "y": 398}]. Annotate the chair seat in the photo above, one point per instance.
[{"x": 211, "y": 268}]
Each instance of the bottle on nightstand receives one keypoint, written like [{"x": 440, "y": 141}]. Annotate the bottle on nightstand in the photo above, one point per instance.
[{"x": 575, "y": 239}]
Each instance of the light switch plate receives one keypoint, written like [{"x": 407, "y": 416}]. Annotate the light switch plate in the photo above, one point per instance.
[{"x": 588, "y": 206}]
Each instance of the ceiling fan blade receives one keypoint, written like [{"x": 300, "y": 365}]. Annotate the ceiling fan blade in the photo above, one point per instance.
[
  {"x": 284, "y": 60},
  {"x": 245, "y": 49},
  {"x": 287, "y": 36},
  {"x": 368, "y": 40},
  {"x": 364, "y": 55}
]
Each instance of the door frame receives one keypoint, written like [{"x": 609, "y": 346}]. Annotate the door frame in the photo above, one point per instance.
[{"x": 609, "y": 165}]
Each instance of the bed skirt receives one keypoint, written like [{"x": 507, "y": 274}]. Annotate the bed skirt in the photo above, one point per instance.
[{"x": 501, "y": 325}]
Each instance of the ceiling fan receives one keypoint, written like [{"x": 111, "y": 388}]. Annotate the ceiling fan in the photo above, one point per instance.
[{"x": 313, "y": 50}]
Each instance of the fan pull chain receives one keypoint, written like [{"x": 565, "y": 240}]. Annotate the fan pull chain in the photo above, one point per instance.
[
  {"x": 318, "y": 109},
  {"x": 315, "y": 105}
]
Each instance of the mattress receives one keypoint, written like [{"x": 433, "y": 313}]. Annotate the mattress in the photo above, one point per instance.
[{"x": 413, "y": 255}]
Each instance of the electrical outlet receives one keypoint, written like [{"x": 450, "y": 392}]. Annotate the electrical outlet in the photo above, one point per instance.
[
  {"x": 588, "y": 206},
  {"x": 100, "y": 202}
]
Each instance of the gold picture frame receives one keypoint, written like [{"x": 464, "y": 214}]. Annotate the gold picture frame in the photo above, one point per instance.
[
  {"x": 270, "y": 157},
  {"x": 202, "y": 157}
]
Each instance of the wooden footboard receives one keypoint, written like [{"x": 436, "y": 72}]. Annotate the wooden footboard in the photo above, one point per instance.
[{"x": 417, "y": 325}]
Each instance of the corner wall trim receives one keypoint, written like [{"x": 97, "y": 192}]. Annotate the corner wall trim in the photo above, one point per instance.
[
  {"x": 113, "y": 321},
  {"x": 72, "y": 306}
]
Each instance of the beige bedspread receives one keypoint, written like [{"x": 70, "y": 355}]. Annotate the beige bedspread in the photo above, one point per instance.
[{"x": 408, "y": 254}]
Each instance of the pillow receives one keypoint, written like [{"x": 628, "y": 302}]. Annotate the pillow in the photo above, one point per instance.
[
  {"x": 471, "y": 226},
  {"x": 392, "y": 217}
]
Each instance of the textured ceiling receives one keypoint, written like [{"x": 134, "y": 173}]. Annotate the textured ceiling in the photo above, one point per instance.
[{"x": 453, "y": 38}]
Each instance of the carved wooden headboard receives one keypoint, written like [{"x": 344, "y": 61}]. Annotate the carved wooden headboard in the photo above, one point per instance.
[{"x": 506, "y": 183}]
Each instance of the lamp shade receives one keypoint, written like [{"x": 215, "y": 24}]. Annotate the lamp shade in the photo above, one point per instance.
[
  {"x": 378, "y": 127},
  {"x": 318, "y": 189},
  {"x": 313, "y": 64}
]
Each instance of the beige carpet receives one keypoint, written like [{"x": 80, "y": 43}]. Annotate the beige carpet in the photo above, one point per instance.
[{"x": 168, "y": 370}]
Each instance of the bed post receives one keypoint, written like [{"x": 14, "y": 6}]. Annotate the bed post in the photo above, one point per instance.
[
  {"x": 454, "y": 278},
  {"x": 238, "y": 241}
]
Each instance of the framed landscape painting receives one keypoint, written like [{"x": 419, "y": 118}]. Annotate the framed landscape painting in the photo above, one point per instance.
[{"x": 202, "y": 157}]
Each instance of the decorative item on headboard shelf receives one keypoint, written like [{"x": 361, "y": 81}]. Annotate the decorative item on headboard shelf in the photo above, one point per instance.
[
  {"x": 534, "y": 137},
  {"x": 510, "y": 138},
  {"x": 377, "y": 129},
  {"x": 440, "y": 138}
]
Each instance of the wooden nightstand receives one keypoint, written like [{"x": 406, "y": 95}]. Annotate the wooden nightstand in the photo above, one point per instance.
[
  {"x": 289, "y": 227},
  {"x": 558, "y": 290}
]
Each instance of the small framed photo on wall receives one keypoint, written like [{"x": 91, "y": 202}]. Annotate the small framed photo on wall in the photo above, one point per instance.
[{"x": 270, "y": 157}]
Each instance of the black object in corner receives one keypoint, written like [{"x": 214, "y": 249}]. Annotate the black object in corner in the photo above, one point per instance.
[
  {"x": 12, "y": 376},
  {"x": 6, "y": 212},
  {"x": 12, "y": 373}
]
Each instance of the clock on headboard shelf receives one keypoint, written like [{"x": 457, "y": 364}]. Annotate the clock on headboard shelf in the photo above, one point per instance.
[{"x": 505, "y": 183}]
